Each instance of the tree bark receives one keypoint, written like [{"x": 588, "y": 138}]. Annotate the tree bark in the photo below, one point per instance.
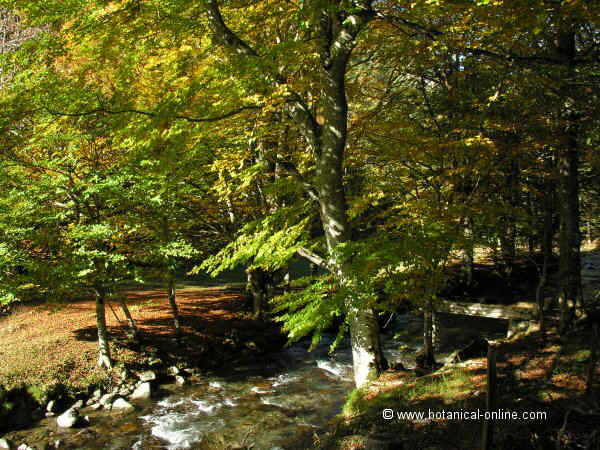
[
  {"x": 570, "y": 241},
  {"x": 173, "y": 305},
  {"x": 508, "y": 234},
  {"x": 547, "y": 246},
  {"x": 258, "y": 291},
  {"x": 428, "y": 351},
  {"x": 104, "y": 358},
  {"x": 469, "y": 251},
  {"x": 337, "y": 42},
  {"x": 131, "y": 322},
  {"x": 570, "y": 297}
]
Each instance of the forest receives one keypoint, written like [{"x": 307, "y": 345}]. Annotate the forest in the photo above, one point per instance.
[{"x": 285, "y": 224}]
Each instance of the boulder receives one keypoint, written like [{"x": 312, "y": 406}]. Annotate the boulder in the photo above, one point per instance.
[
  {"x": 123, "y": 374},
  {"x": 477, "y": 348},
  {"x": 173, "y": 371},
  {"x": 180, "y": 380},
  {"x": 24, "y": 447},
  {"x": 78, "y": 404},
  {"x": 142, "y": 392},
  {"x": 68, "y": 419},
  {"x": 97, "y": 395},
  {"x": 122, "y": 404},
  {"x": 5, "y": 444},
  {"x": 397, "y": 365},
  {"x": 148, "y": 375},
  {"x": 124, "y": 391},
  {"x": 51, "y": 406},
  {"x": 106, "y": 399}
]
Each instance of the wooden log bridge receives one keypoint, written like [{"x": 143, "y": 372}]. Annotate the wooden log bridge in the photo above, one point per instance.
[{"x": 519, "y": 315}]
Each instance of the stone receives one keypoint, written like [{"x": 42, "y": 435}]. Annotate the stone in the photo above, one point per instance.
[
  {"x": 24, "y": 447},
  {"x": 51, "y": 406},
  {"x": 107, "y": 399},
  {"x": 477, "y": 348},
  {"x": 142, "y": 392},
  {"x": 122, "y": 404},
  {"x": 397, "y": 365},
  {"x": 4, "y": 444},
  {"x": 147, "y": 375},
  {"x": 173, "y": 370},
  {"x": 125, "y": 390},
  {"x": 180, "y": 380},
  {"x": 97, "y": 394},
  {"x": 517, "y": 327},
  {"x": 68, "y": 419},
  {"x": 95, "y": 406},
  {"x": 123, "y": 374},
  {"x": 78, "y": 404},
  {"x": 50, "y": 414}
]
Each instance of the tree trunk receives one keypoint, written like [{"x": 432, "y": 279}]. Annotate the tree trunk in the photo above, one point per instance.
[
  {"x": 368, "y": 359},
  {"x": 132, "y": 326},
  {"x": 508, "y": 236},
  {"x": 428, "y": 351},
  {"x": 336, "y": 31},
  {"x": 337, "y": 37},
  {"x": 570, "y": 265},
  {"x": 367, "y": 355},
  {"x": 173, "y": 304},
  {"x": 570, "y": 296},
  {"x": 104, "y": 359},
  {"x": 469, "y": 251},
  {"x": 547, "y": 245},
  {"x": 258, "y": 291}
]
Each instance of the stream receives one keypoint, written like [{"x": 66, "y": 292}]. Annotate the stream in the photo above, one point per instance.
[{"x": 278, "y": 402}]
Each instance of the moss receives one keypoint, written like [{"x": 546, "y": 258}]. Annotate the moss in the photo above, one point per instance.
[
  {"x": 355, "y": 403},
  {"x": 38, "y": 393}
]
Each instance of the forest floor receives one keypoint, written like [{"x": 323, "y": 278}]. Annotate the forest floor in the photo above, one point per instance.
[
  {"x": 534, "y": 375},
  {"x": 45, "y": 345}
]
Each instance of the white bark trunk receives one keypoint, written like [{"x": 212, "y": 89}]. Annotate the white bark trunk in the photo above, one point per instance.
[
  {"x": 367, "y": 356},
  {"x": 104, "y": 358}
]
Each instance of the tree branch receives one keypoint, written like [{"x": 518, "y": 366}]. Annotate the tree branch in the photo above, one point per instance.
[
  {"x": 313, "y": 258},
  {"x": 223, "y": 33},
  {"x": 152, "y": 114}
]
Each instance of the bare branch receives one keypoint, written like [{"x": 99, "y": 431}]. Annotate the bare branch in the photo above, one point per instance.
[
  {"x": 152, "y": 114},
  {"x": 313, "y": 258},
  {"x": 223, "y": 33}
]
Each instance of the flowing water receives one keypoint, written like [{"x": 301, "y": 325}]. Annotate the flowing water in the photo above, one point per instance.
[{"x": 277, "y": 403}]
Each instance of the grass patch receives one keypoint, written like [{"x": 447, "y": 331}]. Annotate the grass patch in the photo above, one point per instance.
[{"x": 444, "y": 388}]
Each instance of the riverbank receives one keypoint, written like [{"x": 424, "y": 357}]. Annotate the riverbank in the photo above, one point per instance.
[
  {"x": 545, "y": 378},
  {"x": 49, "y": 352}
]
